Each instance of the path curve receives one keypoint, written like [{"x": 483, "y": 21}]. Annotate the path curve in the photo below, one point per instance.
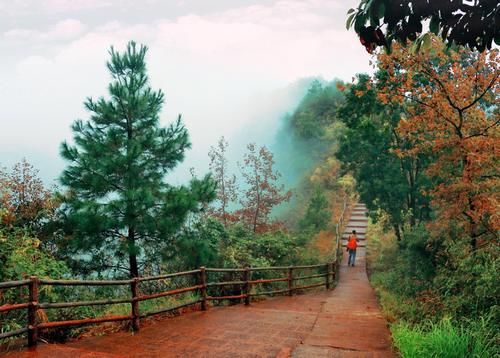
[{"x": 345, "y": 322}]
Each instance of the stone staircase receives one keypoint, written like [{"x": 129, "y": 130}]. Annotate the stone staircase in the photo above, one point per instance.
[{"x": 359, "y": 222}]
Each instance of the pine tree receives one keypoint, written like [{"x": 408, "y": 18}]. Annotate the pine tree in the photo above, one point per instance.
[{"x": 118, "y": 202}]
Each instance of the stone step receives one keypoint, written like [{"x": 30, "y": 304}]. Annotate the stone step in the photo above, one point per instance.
[
  {"x": 360, "y": 237},
  {"x": 359, "y": 213},
  {"x": 359, "y": 230},
  {"x": 358, "y": 218},
  {"x": 356, "y": 226},
  {"x": 359, "y": 227}
]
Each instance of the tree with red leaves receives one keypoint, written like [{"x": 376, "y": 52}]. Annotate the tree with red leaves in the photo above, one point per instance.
[
  {"x": 451, "y": 98},
  {"x": 24, "y": 200},
  {"x": 263, "y": 191}
]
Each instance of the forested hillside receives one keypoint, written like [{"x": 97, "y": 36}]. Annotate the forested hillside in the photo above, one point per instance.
[
  {"x": 116, "y": 216},
  {"x": 419, "y": 139},
  {"x": 416, "y": 147}
]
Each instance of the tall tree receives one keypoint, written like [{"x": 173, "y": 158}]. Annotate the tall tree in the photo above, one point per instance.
[
  {"x": 367, "y": 149},
  {"x": 226, "y": 183},
  {"x": 118, "y": 200},
  {"x": 452, "y": 113},
  {"x": 316, "y": 113},
  {"x": 317, "y": 215},
  {"x": 263, "y": 191}
]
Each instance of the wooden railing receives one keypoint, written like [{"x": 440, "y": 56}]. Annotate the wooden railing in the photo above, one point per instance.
[
  {"x": 248, "y": 288},
  {"x": 339, "y": 228}
]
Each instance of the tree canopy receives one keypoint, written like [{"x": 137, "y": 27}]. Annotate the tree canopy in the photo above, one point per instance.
[
  {"x": 367, "y": 149},
  {"x": 472, "y": 23},
  {"x": 118, "y": 201},
  {"x": 456, "y": 124}
]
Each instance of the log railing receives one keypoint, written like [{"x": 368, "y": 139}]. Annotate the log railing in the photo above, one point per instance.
[
  {"x": 294, "y": 279},
  {"x": 339, "y": 228}
]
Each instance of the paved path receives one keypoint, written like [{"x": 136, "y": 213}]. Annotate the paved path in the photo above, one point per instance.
[
  {"x": 350, "y": 323},
  {"x": 345, "y": 322}
]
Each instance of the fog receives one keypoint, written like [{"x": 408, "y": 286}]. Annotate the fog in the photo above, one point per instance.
[{"x": 234, "y": 69}]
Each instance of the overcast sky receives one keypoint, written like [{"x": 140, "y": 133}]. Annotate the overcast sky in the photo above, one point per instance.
[{"x": 226, "y": 65}]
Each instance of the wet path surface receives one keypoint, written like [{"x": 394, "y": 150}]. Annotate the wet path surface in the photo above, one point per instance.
[
  {"x": 350, "y": 323},
  {"x": 263, "y": 329},
  {"x": 345, "y": 322}
]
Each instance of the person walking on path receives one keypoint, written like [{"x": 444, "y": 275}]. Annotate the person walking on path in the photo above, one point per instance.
[{"x": 352, "y": 245}]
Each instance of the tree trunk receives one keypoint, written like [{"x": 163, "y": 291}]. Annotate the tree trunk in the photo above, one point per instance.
[
  {"x": 134, "y": 269},
  {"x": 397, "y": 231}
]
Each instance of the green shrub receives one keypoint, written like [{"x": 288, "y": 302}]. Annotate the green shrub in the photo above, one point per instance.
[
  {"x": 469, "y": 283},
  {"x": 444, "y": 340}
]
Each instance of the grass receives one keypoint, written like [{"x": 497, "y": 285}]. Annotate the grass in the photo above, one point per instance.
[
  {"x": 416, "y": 330},
  {"x": 443, "y": 339}
]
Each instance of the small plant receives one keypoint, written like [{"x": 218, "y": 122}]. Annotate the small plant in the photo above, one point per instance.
[{"x": 444, "y": 339}]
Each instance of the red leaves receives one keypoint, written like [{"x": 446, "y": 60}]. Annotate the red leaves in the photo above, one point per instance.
[
  {"x": 453, "y": 115},
  {"x": 23, "y": 197},
  {"x": 263, "y": 193}
]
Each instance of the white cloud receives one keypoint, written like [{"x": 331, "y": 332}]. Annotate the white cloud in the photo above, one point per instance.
[
  {"x": 74, "y": 5},
  {"x": 65, "y": 29},
  {"x": 62, "y": 31},
  {"x": 217, "y": 69}
]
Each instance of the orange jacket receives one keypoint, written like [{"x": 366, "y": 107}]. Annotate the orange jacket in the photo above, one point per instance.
[{"x": 352, "y": 244}]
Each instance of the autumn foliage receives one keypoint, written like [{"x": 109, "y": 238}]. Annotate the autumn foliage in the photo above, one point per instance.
[
  {"x": 24, "y": 200},
  {"x": 452, "y": 114},
  {"x": 263, "y": 193}
]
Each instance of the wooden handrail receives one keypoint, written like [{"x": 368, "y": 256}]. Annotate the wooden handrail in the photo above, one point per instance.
[
  {"x": 302, "y": 267},
  {"x": 309, "y": 277},
  {"x": 211, "y": 269},
  {"x": 84, "y": 303},
  {"x": 271, "y": 268},
  {"x": 11, "y": 284},
  {"x": 17, "y": 306},
  {"x": 85, "y": 282},
  {"x": 245, "y": 281},
  {"x": 338, "y": 234},
  {"x": 227, "y": 283},
  {"x": 170, "y": 275},
  {"x": 269, "y": 280},
  {"x": 167, "y": 293},
  {"x": 79, "y": 322}
]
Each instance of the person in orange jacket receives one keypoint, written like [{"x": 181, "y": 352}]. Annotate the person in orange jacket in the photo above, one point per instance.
[{"x": 352, "y": 245}]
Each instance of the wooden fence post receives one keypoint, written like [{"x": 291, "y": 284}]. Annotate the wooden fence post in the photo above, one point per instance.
[
  {"x": 203, "y": 283},
  {"x": 290, "y": 281},
  {"x": 327, "y": 277},
  {"x": 32, "y": 308},
  {"x": 134, "y": 285},
  {"x": 246, "y": 278}
]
